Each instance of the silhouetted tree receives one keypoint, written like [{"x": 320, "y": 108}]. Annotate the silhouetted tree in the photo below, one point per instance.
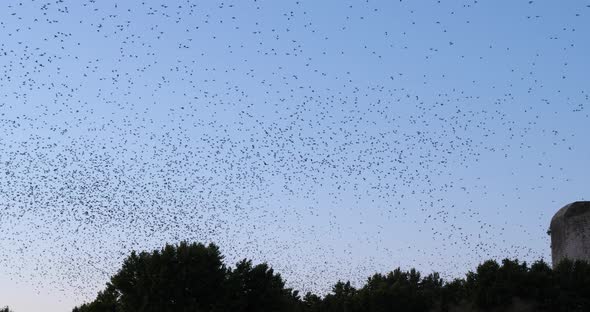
[
  {"x": 341, "y": 298},
  {"x": 400, "y": 291},
  {"x": 571, "y": 291},
  {"x": 258, "y": 289},
  {"x": 192, "y": 277},
  {"x": 106, "y": 301},
  {"x": 312, "y": 302},
  {"x": 453, "y": 294}
]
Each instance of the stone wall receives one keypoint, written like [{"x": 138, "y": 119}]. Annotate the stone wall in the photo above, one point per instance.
[{"x": 570, "y": 233}]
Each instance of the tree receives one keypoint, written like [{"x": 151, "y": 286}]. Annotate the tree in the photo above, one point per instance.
[
  {"x": 186, "y": 277},
  {"x": 400, "y": 291},
  {"x": 572, "y": 286},
  {"x": 192, "y": 277},
  {"x": 341, "y": 299},
  {"x": 258, "y": 288},
  {"x": 312, "y": 302},
  {"x": 453, "y": 293}
]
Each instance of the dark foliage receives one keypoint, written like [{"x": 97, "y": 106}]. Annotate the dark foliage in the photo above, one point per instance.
[{"x": 192, "y": 277}]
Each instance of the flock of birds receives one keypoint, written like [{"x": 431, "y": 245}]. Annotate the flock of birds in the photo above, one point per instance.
[{"x": 332, "y": 140}]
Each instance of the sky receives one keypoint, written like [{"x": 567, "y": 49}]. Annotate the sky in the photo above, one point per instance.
[{"x": 330, "y": 139}]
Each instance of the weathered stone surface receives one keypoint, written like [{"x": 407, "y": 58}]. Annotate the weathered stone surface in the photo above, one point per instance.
[{"x": 570, "y": 233}]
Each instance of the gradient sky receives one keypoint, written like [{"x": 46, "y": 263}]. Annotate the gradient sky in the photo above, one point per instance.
[{"x": 332, "y": 139}]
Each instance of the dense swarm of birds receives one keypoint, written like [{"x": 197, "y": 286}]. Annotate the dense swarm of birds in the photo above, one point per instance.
[{"x": 334, "y": 138}]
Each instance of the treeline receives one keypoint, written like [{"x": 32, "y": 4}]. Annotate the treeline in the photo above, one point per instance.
[{"x": 192, "y": 277}]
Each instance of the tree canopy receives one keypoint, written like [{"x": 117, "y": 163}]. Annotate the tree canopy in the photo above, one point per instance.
[{"x": 193, "y": 277}]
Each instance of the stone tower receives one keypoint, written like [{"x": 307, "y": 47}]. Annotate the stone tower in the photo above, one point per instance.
[{"x": 570, "y": 232}]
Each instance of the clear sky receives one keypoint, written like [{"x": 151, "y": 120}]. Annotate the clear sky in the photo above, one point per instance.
[{"x": 332, "y": 139}]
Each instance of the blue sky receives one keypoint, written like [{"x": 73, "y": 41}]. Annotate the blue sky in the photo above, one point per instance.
[{"x": 333, "y": 139}]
